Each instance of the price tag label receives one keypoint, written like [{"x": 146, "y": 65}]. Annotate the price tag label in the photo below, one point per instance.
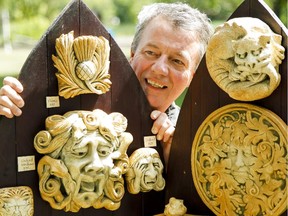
[
  {"x": 26, "y": 163},
  {"x": 52, "y": 101},
  {"x": 150, "y": 141}
]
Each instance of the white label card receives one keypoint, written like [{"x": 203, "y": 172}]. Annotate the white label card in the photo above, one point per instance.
[
  {"x": 26, "y": 163},
  {"x": 150, "y": 141},
  {"x": 52, "y": 101}
]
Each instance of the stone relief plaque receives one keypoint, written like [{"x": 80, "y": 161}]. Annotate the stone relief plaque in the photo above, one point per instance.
[
  {"x": 83, "y": 65},
  {"x": 85, "y": 158},
  {"x": 16, "y": 201},
  {"x": 243, "y": 57},
  {"x": 239, "y": 161},
  {"x": 145, "y": 172}
]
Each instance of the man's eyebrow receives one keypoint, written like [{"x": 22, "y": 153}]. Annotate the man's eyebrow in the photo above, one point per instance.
[
  {"x": 151, "y": 45},
  {"x": 183, "y": 55}
]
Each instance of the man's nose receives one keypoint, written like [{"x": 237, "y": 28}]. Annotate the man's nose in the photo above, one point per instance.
[{"x": 161, "y": 65}]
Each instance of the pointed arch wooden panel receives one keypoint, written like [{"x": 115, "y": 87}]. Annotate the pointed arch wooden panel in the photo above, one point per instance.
[
  {"x": 202, "y": 98},
  {"x": 38, "y": 78}
]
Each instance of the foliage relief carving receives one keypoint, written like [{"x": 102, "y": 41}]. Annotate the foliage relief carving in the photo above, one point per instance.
[
  {"x": 239, "y": 161},
  {"x": 16, "y": 201}
]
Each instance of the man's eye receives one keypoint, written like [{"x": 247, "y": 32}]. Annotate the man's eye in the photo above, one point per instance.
[
  {"x": 178, "y": 62},
  {"x": 150, "y": 53}
]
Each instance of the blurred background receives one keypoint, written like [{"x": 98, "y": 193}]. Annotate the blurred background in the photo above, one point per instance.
[{"x": 23, "y": 22}]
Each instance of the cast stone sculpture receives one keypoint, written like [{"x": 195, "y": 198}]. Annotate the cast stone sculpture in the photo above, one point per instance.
[
  {"x": 16, "y": 201},
  {"x": 239, "y": 161},
  {"x": 175, "y": 207},
  {"x": 83, "y": 65},
  {"x": 243, "y": 57},
  {"x": 145, "y": 172},
  {"x": 85, "y": 158}
]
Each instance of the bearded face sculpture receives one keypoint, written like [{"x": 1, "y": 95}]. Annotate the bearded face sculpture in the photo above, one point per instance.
[
  {"x": 85, "y": 158},
  {"x": 243, "y": 58}
]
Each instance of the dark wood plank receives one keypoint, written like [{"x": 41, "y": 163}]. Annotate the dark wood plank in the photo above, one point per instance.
[
  {"x": 8, "y": 161},
  {"x": 39, "y": 80},
  {"x": 202, "y": 98}
]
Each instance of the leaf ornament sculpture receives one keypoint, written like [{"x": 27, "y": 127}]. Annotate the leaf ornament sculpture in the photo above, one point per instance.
[
  {"x": 239, "y": 161},
  {"x": 83, "y": 65}
]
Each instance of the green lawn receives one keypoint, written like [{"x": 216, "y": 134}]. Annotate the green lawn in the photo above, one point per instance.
[{"x": 12, "y": 61}]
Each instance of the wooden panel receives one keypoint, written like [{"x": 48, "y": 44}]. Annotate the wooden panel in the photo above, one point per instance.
[
  {"x": 202, "y": 98},
  {"x": 39, "y": 80}
]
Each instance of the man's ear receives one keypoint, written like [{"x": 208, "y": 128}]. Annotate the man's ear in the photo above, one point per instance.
[{"x": 131, "y": 55}]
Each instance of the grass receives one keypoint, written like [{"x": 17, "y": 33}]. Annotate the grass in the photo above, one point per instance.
[{"x": 12, "y": 61}]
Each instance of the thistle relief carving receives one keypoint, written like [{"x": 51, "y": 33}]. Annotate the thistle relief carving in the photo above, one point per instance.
[
  {"x": 239, "y": 161},
  {"x": 85, "y": 158},
  {"x": 243, "y": 57},
  {"x": 16, "y": 201},
  {"x": 145, "y": 172},
  {"x": 83, "y": 65}
]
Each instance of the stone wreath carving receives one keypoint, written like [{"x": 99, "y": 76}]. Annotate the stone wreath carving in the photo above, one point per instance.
[
  {"x": 243, "y": 57},
  {"x": 16, "y": 201},
  {"x": 85, "y": 159},
  {"x": 83, "y": 65},
  {"x": 145, "y": 172},
  {"x": 239, "y": 161}
]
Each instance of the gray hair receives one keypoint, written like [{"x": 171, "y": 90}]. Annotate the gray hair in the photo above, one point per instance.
[{"x": 181, "y": 16}]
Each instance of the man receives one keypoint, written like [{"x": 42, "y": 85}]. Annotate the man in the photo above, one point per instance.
[{"x": 168, "y": 45}]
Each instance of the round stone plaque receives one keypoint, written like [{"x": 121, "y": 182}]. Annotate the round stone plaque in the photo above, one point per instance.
[{"x": 239, "y": 161}]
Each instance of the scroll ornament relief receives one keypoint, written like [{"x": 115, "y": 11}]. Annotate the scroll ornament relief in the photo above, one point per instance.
[
  {"x": 239, "y": 161},
  {"x": 243, "y": 57},
  {"x": 83, "y": 65},
  {"x": 16, "y": 201},
  {"x": 145, "y": 171},
  {"x": 85, "y": 159}
]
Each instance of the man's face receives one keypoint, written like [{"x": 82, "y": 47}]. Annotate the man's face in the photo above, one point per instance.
[{"x": 164, "y": 62}]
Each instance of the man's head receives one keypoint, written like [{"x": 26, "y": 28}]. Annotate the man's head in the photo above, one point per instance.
[
  {"x": 169, "y": 43},
  {"x": 180, "y": 16}
]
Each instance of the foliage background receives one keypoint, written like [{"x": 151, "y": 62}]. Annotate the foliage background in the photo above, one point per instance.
[{"x": 31, "y": 18}]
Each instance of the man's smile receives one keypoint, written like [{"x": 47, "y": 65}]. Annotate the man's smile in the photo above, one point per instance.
[{"x": 155, "y": 84}]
